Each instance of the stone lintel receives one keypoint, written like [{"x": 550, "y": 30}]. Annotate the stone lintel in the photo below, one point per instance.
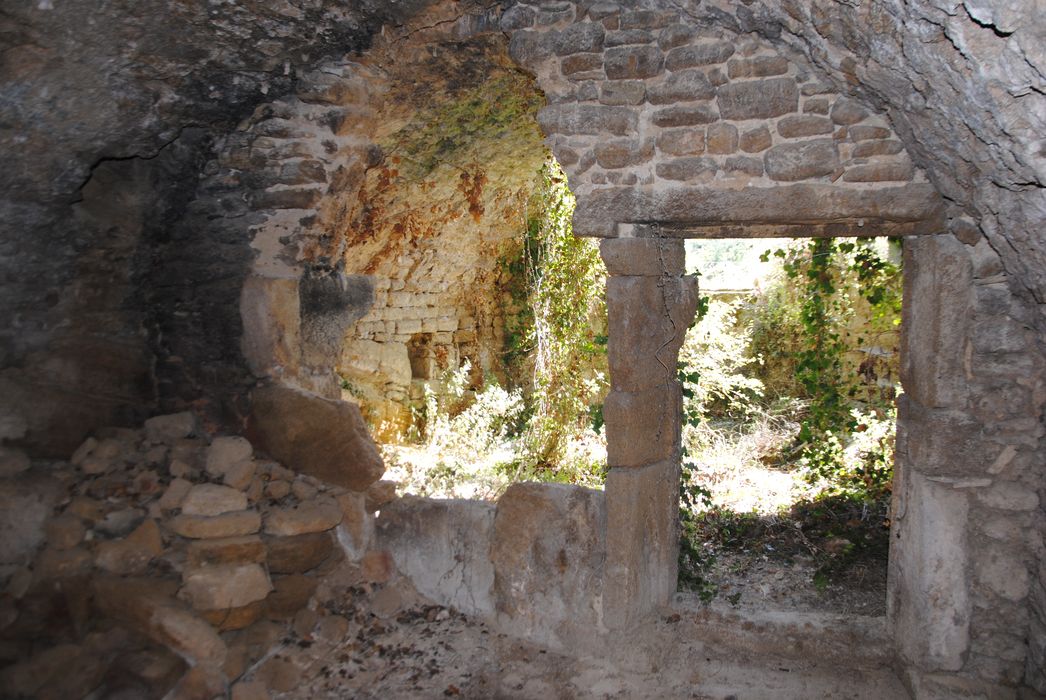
[
  {"x": 793, "y": 210},
  {"x": 642, "y": 542}
]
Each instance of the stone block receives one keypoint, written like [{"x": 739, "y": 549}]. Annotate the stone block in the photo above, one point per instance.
[
  {"x": 674, "y": 35},
  {"x": 633, "y": 62},
  {"x": 681, "y": 142},
  {"x": 587, "y": 120},
  {"x": 620, "y": 153},
  {"x": 582, "y": 37},
  {"x": 367, "y": 359},
  {"x": 938, "y": 294},
  {"x": 883, "y": 147},
  {"x": 213, "y": 499},
  {"x": 865, "y": 132},
  {"x": 796, "y": 126},
  {"x": 647, "y": 19},
  {"x": 584, "y": 63},
  {"x": 758, "y": 99},
  {"x": 880, "y": 172},
  {"x": 644, "y": 257},
  {"x": 642, "y": 542},
  {"x": 743, "y": 165},
  {"x": 629, "y": 37},
  {"x": 548, "y": 550},
  {"x": 684, "y": 116},
  {"x": 846, "y": 112},
  {"x": 682, "y": 86},
  {"x": 647, "y": 320},
  {"x": 701, "y": 54},
  {"x": 802, "y": 160},
  {"x": 245, "y": 522},
  {"x": 248, "y": 549},
  {"x": 721, "y": 138},
  {"x": 225, "y": 586},
  {"x": 758, "y": 67},
  {"x": 643, "y": 427},
  {"x": 943, "y": 442},
  {"x": 309, "y": 516},
  {"x": 226, "y": 451},
  {"x": 444, "y": 548},
  {"x": 622, "y": 92},
  {"x": 755, "y": 140},
  {"x": 687, "y": 169},
  {"x": 320, "y": 437}
]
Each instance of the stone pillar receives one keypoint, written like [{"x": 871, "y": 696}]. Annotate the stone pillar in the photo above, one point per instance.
[{"x": 650, "y": 304}]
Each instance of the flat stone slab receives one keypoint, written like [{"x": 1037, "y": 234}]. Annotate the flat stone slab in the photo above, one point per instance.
[{"x": 782, "y": 210}]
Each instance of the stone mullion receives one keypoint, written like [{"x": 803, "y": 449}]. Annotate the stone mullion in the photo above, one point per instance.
[{"x": 650, "y": 304}]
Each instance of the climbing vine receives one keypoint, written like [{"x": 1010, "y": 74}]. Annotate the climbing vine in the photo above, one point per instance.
[
  {"x": 560, "y": 325},
  {"x": 829, "y": 274}
]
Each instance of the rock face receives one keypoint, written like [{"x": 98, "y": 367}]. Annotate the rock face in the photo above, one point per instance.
[{"x": 316, "y": 436}]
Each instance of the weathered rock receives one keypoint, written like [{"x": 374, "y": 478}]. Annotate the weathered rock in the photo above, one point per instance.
[
  {"x": 61, "y": 671},
  {"x": 175, "y": 493},
  {"x": 642, "y": 427},
  {"x": 151, "y": 609},
  {"x": 212, "y": 499},
  {"x": 443, "y": 547},
  {"x": 170, "y": 427},
  {"x": 682, "y": 86},
  {"x": 277, "y": 489},
  {"x": 224, "y": 586},
  {"x": 246, "y": 522},
  {"x": 279, "y": 674},
  {"x": 588, "y": 119},
  {"x": 622, "y": 92},
  {"x": 643, "y": 257},
  {"x": 302, "y": 490},
  {"x": 119, "y": 523},
  {"x": 548, "y": 550},
  {"x": 297, "y": 554},
  {"x": 239, "y": 475},
  {"x": 619, "y": 153},
  {"x": 226, "y": 451},
  {"x": 248, "y": 549},
  {"x": 758, "y": 67},
  {"x": 323, "y": 438},
  {"x": 684, "y": 116},
  {"x": 202, "y": 682},
  {"x": 312, "y": 516}
]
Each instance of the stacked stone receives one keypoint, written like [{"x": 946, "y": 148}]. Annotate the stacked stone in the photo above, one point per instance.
[
  {"x": 641, "y": 98},
  {"x": 650, "y": 304},
  {"x": 196, "y": 548}
]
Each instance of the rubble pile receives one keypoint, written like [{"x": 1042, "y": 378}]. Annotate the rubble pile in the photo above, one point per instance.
[{"x": 160, "y": 563}]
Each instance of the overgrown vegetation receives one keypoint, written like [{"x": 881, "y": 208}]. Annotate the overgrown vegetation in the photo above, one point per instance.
[
  {"x": 542, "y": 427},
  {"x": 789, "y": 419}
]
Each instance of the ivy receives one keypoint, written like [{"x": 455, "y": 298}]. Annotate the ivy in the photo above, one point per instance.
[{"x": 557, "y": 284}]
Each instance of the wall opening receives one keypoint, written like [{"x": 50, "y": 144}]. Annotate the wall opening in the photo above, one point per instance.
[{"x": 790, "y": 378}]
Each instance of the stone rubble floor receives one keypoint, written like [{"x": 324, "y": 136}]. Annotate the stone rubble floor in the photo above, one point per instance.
[{"x": 398, "y": 646}]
